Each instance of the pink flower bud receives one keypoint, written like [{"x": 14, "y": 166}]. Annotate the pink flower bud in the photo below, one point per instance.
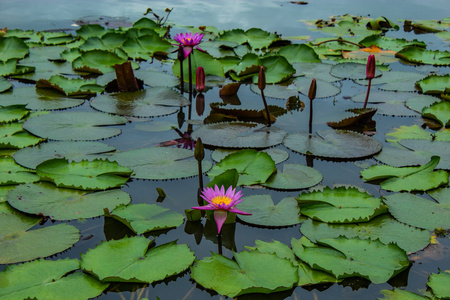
[{"x": 370, "y": 68}]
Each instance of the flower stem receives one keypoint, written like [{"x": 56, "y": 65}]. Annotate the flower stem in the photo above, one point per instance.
[
  {"x": 310, "y": 115},
  {"x": 219, "y": 243},
  {"x": 267, "y": 108},
  {"x": 367, "y": 95},
  {"x": 190, "y": 85}
]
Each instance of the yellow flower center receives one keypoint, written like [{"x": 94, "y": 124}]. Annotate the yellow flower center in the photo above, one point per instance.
[{"x": 218, "y": 200}]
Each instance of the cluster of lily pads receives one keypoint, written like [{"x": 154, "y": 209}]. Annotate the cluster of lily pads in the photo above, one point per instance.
[{"x": 54, "y": 166}]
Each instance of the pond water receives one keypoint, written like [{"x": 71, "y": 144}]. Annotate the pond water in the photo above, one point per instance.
[{"x": 274, "y": 16}]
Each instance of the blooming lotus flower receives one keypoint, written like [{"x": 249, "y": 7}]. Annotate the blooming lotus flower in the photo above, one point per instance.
[
  {"x": 187, "y": 41},
  {"x": 221, "y": 202}
]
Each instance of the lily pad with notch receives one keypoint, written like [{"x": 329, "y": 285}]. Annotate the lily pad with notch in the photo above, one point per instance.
[
  {"x": 13, "y": 136},
  {"x": 265, "y": 213},
  {"x": 131, "y": 260},
  {"x": 74, "y": 126},
  {"x": 143, "y": 217},
  {"x": 278, "y": 155},
  {"x": 324, "y": 89},
  {"x": 71, "y": 87},
  {"x": 12, "y": 173},
  {"x": 293, "y": 177},
  {"x": 151, "y": 102},
  {"x": 64, "y": 204},
  {"x": 12, "y": 113},
  {"x": 340, "y": 144},
  {"x": 239, "y": 135}
]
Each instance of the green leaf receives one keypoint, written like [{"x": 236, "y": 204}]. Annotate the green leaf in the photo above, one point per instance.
[
  {"x": 91, "y": 30},
  {"x": 158, "y": 163},
  {"x": 294, "y": 177},
  {"x": 253, "y": 166},
  {"x": 85, "y": 175},
  {"x": 4, "y": 85},
  {"x": 18, "y": 243},
  {"x": 252, "y": 272},
  {"x": 211, "y": 65},
  {"x": 421, "y": 212},
  {"x": 239, "y": 135},
  {"x": 12, "y": 173},
  {"x": 333, "y": 143},
  {"x": 30, "y": 157},
  {"x": 12, "y": 113},
  {"x": 152, "y": 102},
  {"x": 142, "y": 218},
  {"x": 340, "y": 205},
  {"x": 383, "y": 227},
  {"x": 145, "y": 46},
  {"x": 439, "y": 111},
  {"x": 226, "y": 179},
  {"x": 98, "y": 61},
  {"x": 434, "y": 84},
  {"x": 398, "y": 294},
  {"x": 320, "y": 71},
  {"x": 324, "y": 89},
  {"x": 12, "y": 47},
  {"x": 129, "y": 260},
  {"x": 255, "y": 37},
  {"x": 419, "y": 55},
  {"x": 278, "y": 155},
  {"x": 345, "y": 257},
  {"x": 389, "y": 43},
  {"x": 277, "y": 69},
  {"x": 72, "y": 87},
  {"x": 299, "y": 53},
  {"x": 74, "y": 126},
  {"x": 421, "y": 178},
  {"x": 351, "y": 70},
  {"x": 64, "y": 204},
  {"x": 265, "y": 213},
  {"x": 440, "y": 284},
  {"x": 49, "y": 279},
  {"x": 13, "y": 136}
]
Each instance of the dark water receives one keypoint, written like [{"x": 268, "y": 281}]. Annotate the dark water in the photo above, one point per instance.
[{"x": 280, "y": 16}]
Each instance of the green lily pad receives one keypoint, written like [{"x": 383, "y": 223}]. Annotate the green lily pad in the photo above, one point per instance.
[
  {"x": 107, "y": 42},
  {"x": 99, "y": 61},
  {"x": 294, "y": 177},
  {"x": 18, "y": 243},
  {"x": 265, "y": 213},
  {"x": 97, "y": 174},
  {"x": 276, "y": 91},
  {"x": 12, "y": 113},
  {"x": 278, "y": 155},
  {"x": 143, "y": 217},
  {"x": 4, "y": 85},
  {"x": 418, "y": 103},
  {"x": 420, "y": 178},
  {"x": 130, "y": 260},
  {"x": 152, "y": 102},
  {"x": 255, "y": 37},
  {"x": 440, "y": 284},
  {"x": 38, "y": 99},
  {"x": 90, "y": 30},
  {"x": 299, "y": 53},
  {"x": 435, "y": 84},
  {"x": 415, "y": 132},
  {"x": 389, "y": 43},
  {"x": 12, "y": 47},
  {"x": 253, "y": 166},
  {"x": 420, "y": 55},
  {"x": 239, "y": 135},
  {"x": 12, "y": 173},
  {"x": 340, "y": 205},
  {"x": 324, "y": 89},
  {"x": 4, "y": 190},
  {"x": 211, "y": 66},
  {"x": 13, "y": 136},
  {"x": 277, "y": 69},
  {"x": 344, "y": 257},
  {"x": 146, "y": 46},
  {"x": 64, "y": 204},
  {"x": 395, "y": 81},
  {"x": 74, "y": 126},
  {"x": 351, "y": 70},
  {"x": 333, "y": 143},
  {"x": 398, "y": 294},
  {"x": 158, "y": 163},
  {"x": 252, "y": 272},
  {"x": 421, "y": 212},
  {"x": 321, "y": 71},
  {"x": 439, "y": 111},
  {"x": 383, "y": 227},
  {"x": 30, "y": 157},
  {"x": 72, "y": 87},
  {"x": 49, "y": 279},
  {"x": 154, "y": 78}
]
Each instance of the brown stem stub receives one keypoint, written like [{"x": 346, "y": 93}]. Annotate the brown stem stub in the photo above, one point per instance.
[{"x": 126, "y": 82}]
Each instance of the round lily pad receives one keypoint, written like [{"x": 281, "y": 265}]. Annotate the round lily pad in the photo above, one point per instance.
[
  {"x": 64, "y": 204},
  {"x": 324, "y": 88},
  {"x": 350, "y": 70},
  {"x": 30, "y": 157},
  {"x": 294, "y": 177},
  {"x": 74, "y": 125},
  {"x": 85, "y": 175},
  {"x": 12, "y": 173},
  {"x": 151, "y": 102},
  {"x": 315, "y": 70},
  {"x": 13, "y": 136},
  {"x": 334, "y": 144},
  {"x": 265, "y": 213},
  {"x": 278, "y": 155},
  {"x": 130, "y": 260},
  {"x": 12, "y": 113},
  {"x": 239, "y": 135},
  {"x": 49, "y": 279},
  {"x": 160, "y": 163}
]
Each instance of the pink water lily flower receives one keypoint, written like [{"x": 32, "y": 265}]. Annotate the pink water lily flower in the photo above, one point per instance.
[
  {"x": 187, "y": 41},
  {"x": 221, "y": 202}
]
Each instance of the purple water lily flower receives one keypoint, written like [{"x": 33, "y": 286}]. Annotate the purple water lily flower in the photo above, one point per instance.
[
  {"x": 221, "y": 202},
  {"x": 187, "y": 41}
]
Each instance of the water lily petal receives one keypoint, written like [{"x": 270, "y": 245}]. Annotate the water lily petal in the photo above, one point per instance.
[{"x": 220, "y": 216}]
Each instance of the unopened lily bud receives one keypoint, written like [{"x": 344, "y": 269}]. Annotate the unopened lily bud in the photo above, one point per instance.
[
  {"x": 200, "y": 79},
  {"x": 199, "y": 151},
  {"x": 262, "y": 78},
  {"x": 312, "y": 90},
  {"x": 370, "y": 68}
]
